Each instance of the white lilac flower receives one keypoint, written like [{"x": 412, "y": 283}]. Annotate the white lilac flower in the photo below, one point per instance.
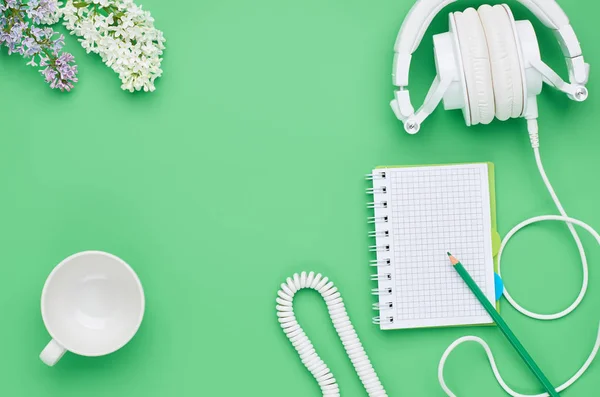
[{"x": 124, "y": 36}]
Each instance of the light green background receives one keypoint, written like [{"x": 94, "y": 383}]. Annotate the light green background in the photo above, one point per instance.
[{"x": 246, "y": 166}]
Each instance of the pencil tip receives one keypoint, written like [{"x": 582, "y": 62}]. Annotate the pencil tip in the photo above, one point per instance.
[{"x": 453, "y": 260}]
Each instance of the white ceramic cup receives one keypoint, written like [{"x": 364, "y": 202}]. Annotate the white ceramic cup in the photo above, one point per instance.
[{"x": 92, "y": 305}]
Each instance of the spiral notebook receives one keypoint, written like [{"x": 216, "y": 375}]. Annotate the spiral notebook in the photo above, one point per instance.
[{"x": 421, "y": 213}]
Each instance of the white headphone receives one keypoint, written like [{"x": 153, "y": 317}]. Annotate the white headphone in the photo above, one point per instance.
[{"x": 488, "y": 65}]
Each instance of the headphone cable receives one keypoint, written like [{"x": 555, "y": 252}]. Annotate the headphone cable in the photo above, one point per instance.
[{"x": 532, "y": 127}]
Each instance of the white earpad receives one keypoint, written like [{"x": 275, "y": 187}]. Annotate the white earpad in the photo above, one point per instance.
[
  {"x": 476, "y": 65},
  {"x": 507, "y": 75}
]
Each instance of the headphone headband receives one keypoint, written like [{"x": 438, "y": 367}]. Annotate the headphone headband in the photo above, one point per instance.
[{"x": 424, "y": 11}]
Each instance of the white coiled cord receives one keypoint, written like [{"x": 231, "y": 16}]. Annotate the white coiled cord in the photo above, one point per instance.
[
  {"x": 343, "y": 326},
  {"x": 563, "y": 217}
]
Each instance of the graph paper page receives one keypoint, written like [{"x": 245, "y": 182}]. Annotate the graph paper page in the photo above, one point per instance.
[{"x": 434, "y": 210}]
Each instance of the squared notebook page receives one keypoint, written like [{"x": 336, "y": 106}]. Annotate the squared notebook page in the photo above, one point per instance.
[{"x": 432, "y": 210}]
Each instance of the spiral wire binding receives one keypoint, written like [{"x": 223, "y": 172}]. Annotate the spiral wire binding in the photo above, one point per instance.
[
  {"x": 382, "y": 291},
  {"x": 383, "y": 320},
  {"x": 374, "y": 219},
  {"x": 373, "y": 205},
  {"x": 381, "y": 190},
  {"x": 383, "y": 306},
  {"x": 379, "y": 248},
  {"x": 381, "y": 263},
  {"x": 381, "y": 277},
  {"x": 381, "y": 232},
  {"x": 343, "y": 326},
  {"x": 375, "y": 176}
]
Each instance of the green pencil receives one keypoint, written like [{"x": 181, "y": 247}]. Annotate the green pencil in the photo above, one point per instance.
[{"x": 503, "y": 326}]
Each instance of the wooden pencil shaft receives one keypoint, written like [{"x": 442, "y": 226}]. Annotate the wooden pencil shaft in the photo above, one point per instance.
[{"x": 505, "y": 329}]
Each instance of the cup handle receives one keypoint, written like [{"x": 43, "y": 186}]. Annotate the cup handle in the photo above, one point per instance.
[{"x": 52, "y": 353}]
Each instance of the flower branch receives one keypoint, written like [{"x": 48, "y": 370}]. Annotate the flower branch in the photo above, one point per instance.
[
  {"x": 122, "y": 34},
  {"x": 20, "y": 33}
]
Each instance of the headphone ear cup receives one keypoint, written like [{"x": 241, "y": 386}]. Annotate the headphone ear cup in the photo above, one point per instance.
[
  {"x": 476, "y": 66},
  {"x": 507, "y": 78}
]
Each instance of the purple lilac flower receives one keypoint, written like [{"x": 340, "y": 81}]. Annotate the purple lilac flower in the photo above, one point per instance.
[
  {"x": 67, "y": 71},
  {"x": 19, "y": 33},
  {"x": 40, "y": 10}
]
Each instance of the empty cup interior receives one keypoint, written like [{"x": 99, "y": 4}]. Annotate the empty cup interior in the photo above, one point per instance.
[{"x": 92, "y": 304}]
